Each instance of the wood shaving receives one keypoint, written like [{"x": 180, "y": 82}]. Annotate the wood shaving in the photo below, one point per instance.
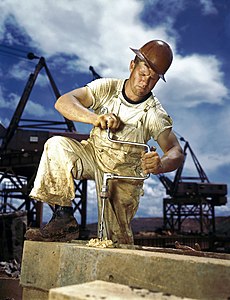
[{"x": 100, "y": 244}]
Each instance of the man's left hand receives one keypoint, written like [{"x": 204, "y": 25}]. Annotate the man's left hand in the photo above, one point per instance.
[{"x": 151, "y": 163}]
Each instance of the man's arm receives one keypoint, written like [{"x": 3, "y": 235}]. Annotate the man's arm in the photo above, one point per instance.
[
  {"x": 170, "y": 161},
  {"x": 74, "y": 106}
]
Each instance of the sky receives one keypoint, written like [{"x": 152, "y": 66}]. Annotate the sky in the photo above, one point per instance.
[{"x": 73, "y": 35}]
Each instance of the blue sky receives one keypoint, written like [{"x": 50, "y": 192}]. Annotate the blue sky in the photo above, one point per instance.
[{"x": 74, "y": 34}]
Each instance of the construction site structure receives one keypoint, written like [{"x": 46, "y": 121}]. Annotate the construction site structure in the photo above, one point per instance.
[
  {"x": 191, "y": 197},
  {"x": 20, "y": 152},
  {"x": 21, "y": 148}
]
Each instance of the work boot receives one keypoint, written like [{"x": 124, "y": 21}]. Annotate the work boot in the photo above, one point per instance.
[{"x": 62, "y": 227}]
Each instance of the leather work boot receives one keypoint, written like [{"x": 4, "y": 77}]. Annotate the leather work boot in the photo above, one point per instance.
[{"x": 62, "y": 227}]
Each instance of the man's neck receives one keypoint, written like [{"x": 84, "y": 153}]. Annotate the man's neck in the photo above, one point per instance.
[{"x": 135, "y": 99}]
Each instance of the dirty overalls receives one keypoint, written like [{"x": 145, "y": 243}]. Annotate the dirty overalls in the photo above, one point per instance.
[{"x": 65, "y": 159}]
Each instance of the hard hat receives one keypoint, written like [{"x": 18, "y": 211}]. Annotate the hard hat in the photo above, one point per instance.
[{"x": 157, "y": 54}]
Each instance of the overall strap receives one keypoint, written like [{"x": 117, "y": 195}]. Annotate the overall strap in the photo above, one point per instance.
[{"x": 150, "y": 104}]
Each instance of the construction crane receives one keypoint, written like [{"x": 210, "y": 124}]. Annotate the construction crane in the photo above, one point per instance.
[
  {"x": 191, "y": 197},
  {"x": 20, "y": 151}
]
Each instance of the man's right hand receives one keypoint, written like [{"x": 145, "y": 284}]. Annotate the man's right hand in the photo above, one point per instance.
[{"x": 109, "y": 120}]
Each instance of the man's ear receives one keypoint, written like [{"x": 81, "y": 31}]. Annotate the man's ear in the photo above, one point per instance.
[{"x": 131, "y": 66}]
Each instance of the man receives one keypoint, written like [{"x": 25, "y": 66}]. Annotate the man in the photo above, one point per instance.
[{"x": 132, "y": 113}]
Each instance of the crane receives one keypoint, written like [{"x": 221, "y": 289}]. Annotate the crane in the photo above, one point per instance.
[
  {"x": 20, "y": 151},
  {"x": 191, "y": 196}
]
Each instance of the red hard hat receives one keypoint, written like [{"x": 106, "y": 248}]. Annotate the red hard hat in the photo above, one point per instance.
[{"x": 157, "y": 54}]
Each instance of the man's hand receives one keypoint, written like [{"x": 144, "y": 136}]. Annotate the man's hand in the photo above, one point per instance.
[
  {"x": 151, "y": 162},
  {"x": 108, "y": 121}
]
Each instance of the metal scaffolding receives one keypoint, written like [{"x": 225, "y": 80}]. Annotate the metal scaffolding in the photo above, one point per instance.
[
  {"x": 20, "y": 151},
  {"x": 191, "y": 197}
]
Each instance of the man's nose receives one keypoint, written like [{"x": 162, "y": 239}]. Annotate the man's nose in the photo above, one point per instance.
[{"x": 144, "y": 81}]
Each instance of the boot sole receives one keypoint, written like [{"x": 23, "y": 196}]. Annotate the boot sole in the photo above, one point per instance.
[{"x": 68, "y": 237}]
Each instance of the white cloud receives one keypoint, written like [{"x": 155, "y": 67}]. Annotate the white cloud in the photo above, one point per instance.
[
  {"x": 32, "y": 108},
  {"x": 21, "y": 71},
  {"x": 36, "y": 109},
  {"x": 10, "y": 102},
  {"x": 189, "y": 78},
  {"x": 208, "y": 7},
  {"x": 92, "y": 212},
  {"x": 87, "y": 30},
  {"x": 1, "y": 97},
  {"x": 18, "y": 71}
]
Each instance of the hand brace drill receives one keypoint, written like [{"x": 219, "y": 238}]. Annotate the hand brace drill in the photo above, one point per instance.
[{"x": 108, "y": 176}]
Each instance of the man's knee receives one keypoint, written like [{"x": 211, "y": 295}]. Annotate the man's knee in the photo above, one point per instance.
[{"x": 55, "y": 142}]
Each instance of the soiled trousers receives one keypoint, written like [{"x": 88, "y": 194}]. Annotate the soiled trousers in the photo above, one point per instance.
[{"x": 65, "y": 159}]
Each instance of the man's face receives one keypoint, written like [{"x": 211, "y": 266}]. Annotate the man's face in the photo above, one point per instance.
[{"x": 142, "y": 79}]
